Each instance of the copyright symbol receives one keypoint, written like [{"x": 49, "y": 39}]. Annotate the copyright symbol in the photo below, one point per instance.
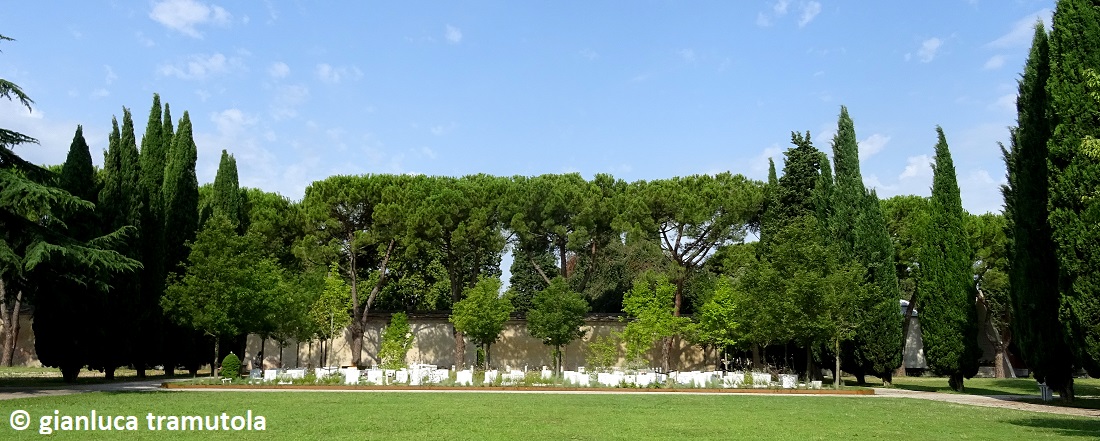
[{"x": 20, "y": 420}]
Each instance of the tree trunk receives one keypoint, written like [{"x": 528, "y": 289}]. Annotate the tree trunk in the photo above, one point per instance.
[
  {"x": 1066, "y": 393},
  {"x": 564, "y": 263},
  {"x": 666, "y": 354},
  {"x": 999, "y": 361},
  {"x": 214, "y": 364},
  {"x": 357, "y": 332},
  {"x": 755, "y": 357},
  {"x": 956, "y": 382},
  {"x": 487, "y": 359},
  {"x": 356, "y": 344},
  {"x": 666, "y": 351},
  {"x": 10, "y": 319},
  {"x": 809, "y": 363},
  {"x": 836, "y": 366},
  {"x": 69, "y": 373},
  {"x": 559, "y": 358}
]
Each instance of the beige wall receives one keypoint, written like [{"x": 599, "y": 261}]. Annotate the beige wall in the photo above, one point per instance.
[
  {"x": 433, "y": 343},
  {"x": 24, "y": 348}
]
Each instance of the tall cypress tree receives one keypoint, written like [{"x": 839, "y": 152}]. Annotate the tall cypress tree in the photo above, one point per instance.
[
  {"x": 1075, "y": 176},
  {"x": 121, "y": 204},
  {"x": 64, "y": 330},
  {"x": 859, "y": 226},
  {"x": 945, "y": 292},
  {"x": 1033, "y": 266},
  {"x": 226, "y": 198},
  {"x": 181, "y": 196},
  {"x": 154, "y": 151}
]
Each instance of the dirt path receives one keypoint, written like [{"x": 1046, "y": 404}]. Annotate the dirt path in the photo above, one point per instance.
[{"x": 1002, "y": 401}]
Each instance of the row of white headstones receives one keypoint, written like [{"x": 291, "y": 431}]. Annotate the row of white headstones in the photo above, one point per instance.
[{"x": 420, "y": 374}]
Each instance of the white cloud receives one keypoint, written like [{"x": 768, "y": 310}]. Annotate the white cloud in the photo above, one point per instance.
[
  {"x": 109, "y": 76},
  {"x": 1023, "y": 30},
  {"x": 287, "y": 98},
  {"x": 981, "y": 193},
  {"x": 928, "y": 49},
  {"x": 763, "y": 20},
  {"x": 329, "y": 74},
  {"x": 200, "y": 67},
  {"x": 780, "y": 7},
  {"x": 917, "y": 167},
  {"x": 185, "y": 15},
  {"x": 994, "y": 62},
  {"x": 443, "y": 129},
  {"x": 1005, "y": 103},
  {"x": 809, "y": 11},
  {"x": 589, "y": 54},
  {"x": 760, "y": 162},
  {"x": 100, "y": 93},
  {"x": 453, "y": 34},
  {"x": 883, "y": 190},
  {"x": 232, "y": 121},
  {"x": 687, "y": 54},
  {"x": 872, "y": 145},
  {"x": 145, "y": 41},
  {"x": 278, "y": 69}
]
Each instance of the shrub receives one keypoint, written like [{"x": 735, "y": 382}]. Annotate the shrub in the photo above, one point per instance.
[
  {"x": 396, "y": 340},
  {"x": 602, "y": 353},
  {"x": 231, "y": 366}
]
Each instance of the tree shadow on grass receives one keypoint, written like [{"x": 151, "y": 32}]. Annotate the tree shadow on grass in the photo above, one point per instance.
[{"x": 1087, "y": 428}]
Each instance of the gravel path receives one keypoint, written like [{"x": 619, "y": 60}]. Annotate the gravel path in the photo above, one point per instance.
[
  {"x": 1002, "y": 401},
  {"x": 11, "y": 393}
]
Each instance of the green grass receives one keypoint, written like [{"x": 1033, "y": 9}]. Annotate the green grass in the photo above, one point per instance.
[{"x": 476, "y": 416}]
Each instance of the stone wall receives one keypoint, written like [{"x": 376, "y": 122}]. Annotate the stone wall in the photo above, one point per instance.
[
  {"x": 433, "y": 343},
  {"x": 24, "y": 347}
]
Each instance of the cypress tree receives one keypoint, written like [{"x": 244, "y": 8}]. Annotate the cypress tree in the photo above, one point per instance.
[
  {"x": 121, "y": 204},
  {"x": 64, "y": 331},
  {"x": 1074, "y": 176},
  {"x": 226, "y": 197},
  {"x": 181, "y": 196},
  {"x": 1033, "y": 266},
  {"x": 154, "y": 151},
  {"x": 859, "y": 227},
  {"x": 800, "y": 174},
  {"x": 945, "y": 292}
]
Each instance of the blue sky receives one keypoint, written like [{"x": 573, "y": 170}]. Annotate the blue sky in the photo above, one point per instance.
[{"x": 299, "y": 91}]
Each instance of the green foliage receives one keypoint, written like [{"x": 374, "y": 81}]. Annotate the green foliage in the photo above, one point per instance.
[
  {"x": 556, "y": 316},
  {"x": 227, "y": 198},
  {"x": 602, "y": 353},
  {"x": 1074, "y": 175},
  {"x": 231, "y": 366},
  {"x": 801, "y": 169},
  {"x": 34, "y": 238},
  {"x": 527, "y": 276},
  {"x": 180, "y": 195},
  {"x": 907, "y": 220},
  {"x": 1032, "y": 264},
  {"x": 482, "y": 313},
  {"x": 228, "y": 286},
  {"x": 945, "y": 294},
  {"x": 397, "y": 338},
  {"x": 649, "y": 308},
  {"x": 330, "y": 311},
  {"x": 717, "y": 320}
]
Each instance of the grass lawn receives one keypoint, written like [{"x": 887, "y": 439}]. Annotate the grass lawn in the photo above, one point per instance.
[{"x": 423, "y": 416}]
